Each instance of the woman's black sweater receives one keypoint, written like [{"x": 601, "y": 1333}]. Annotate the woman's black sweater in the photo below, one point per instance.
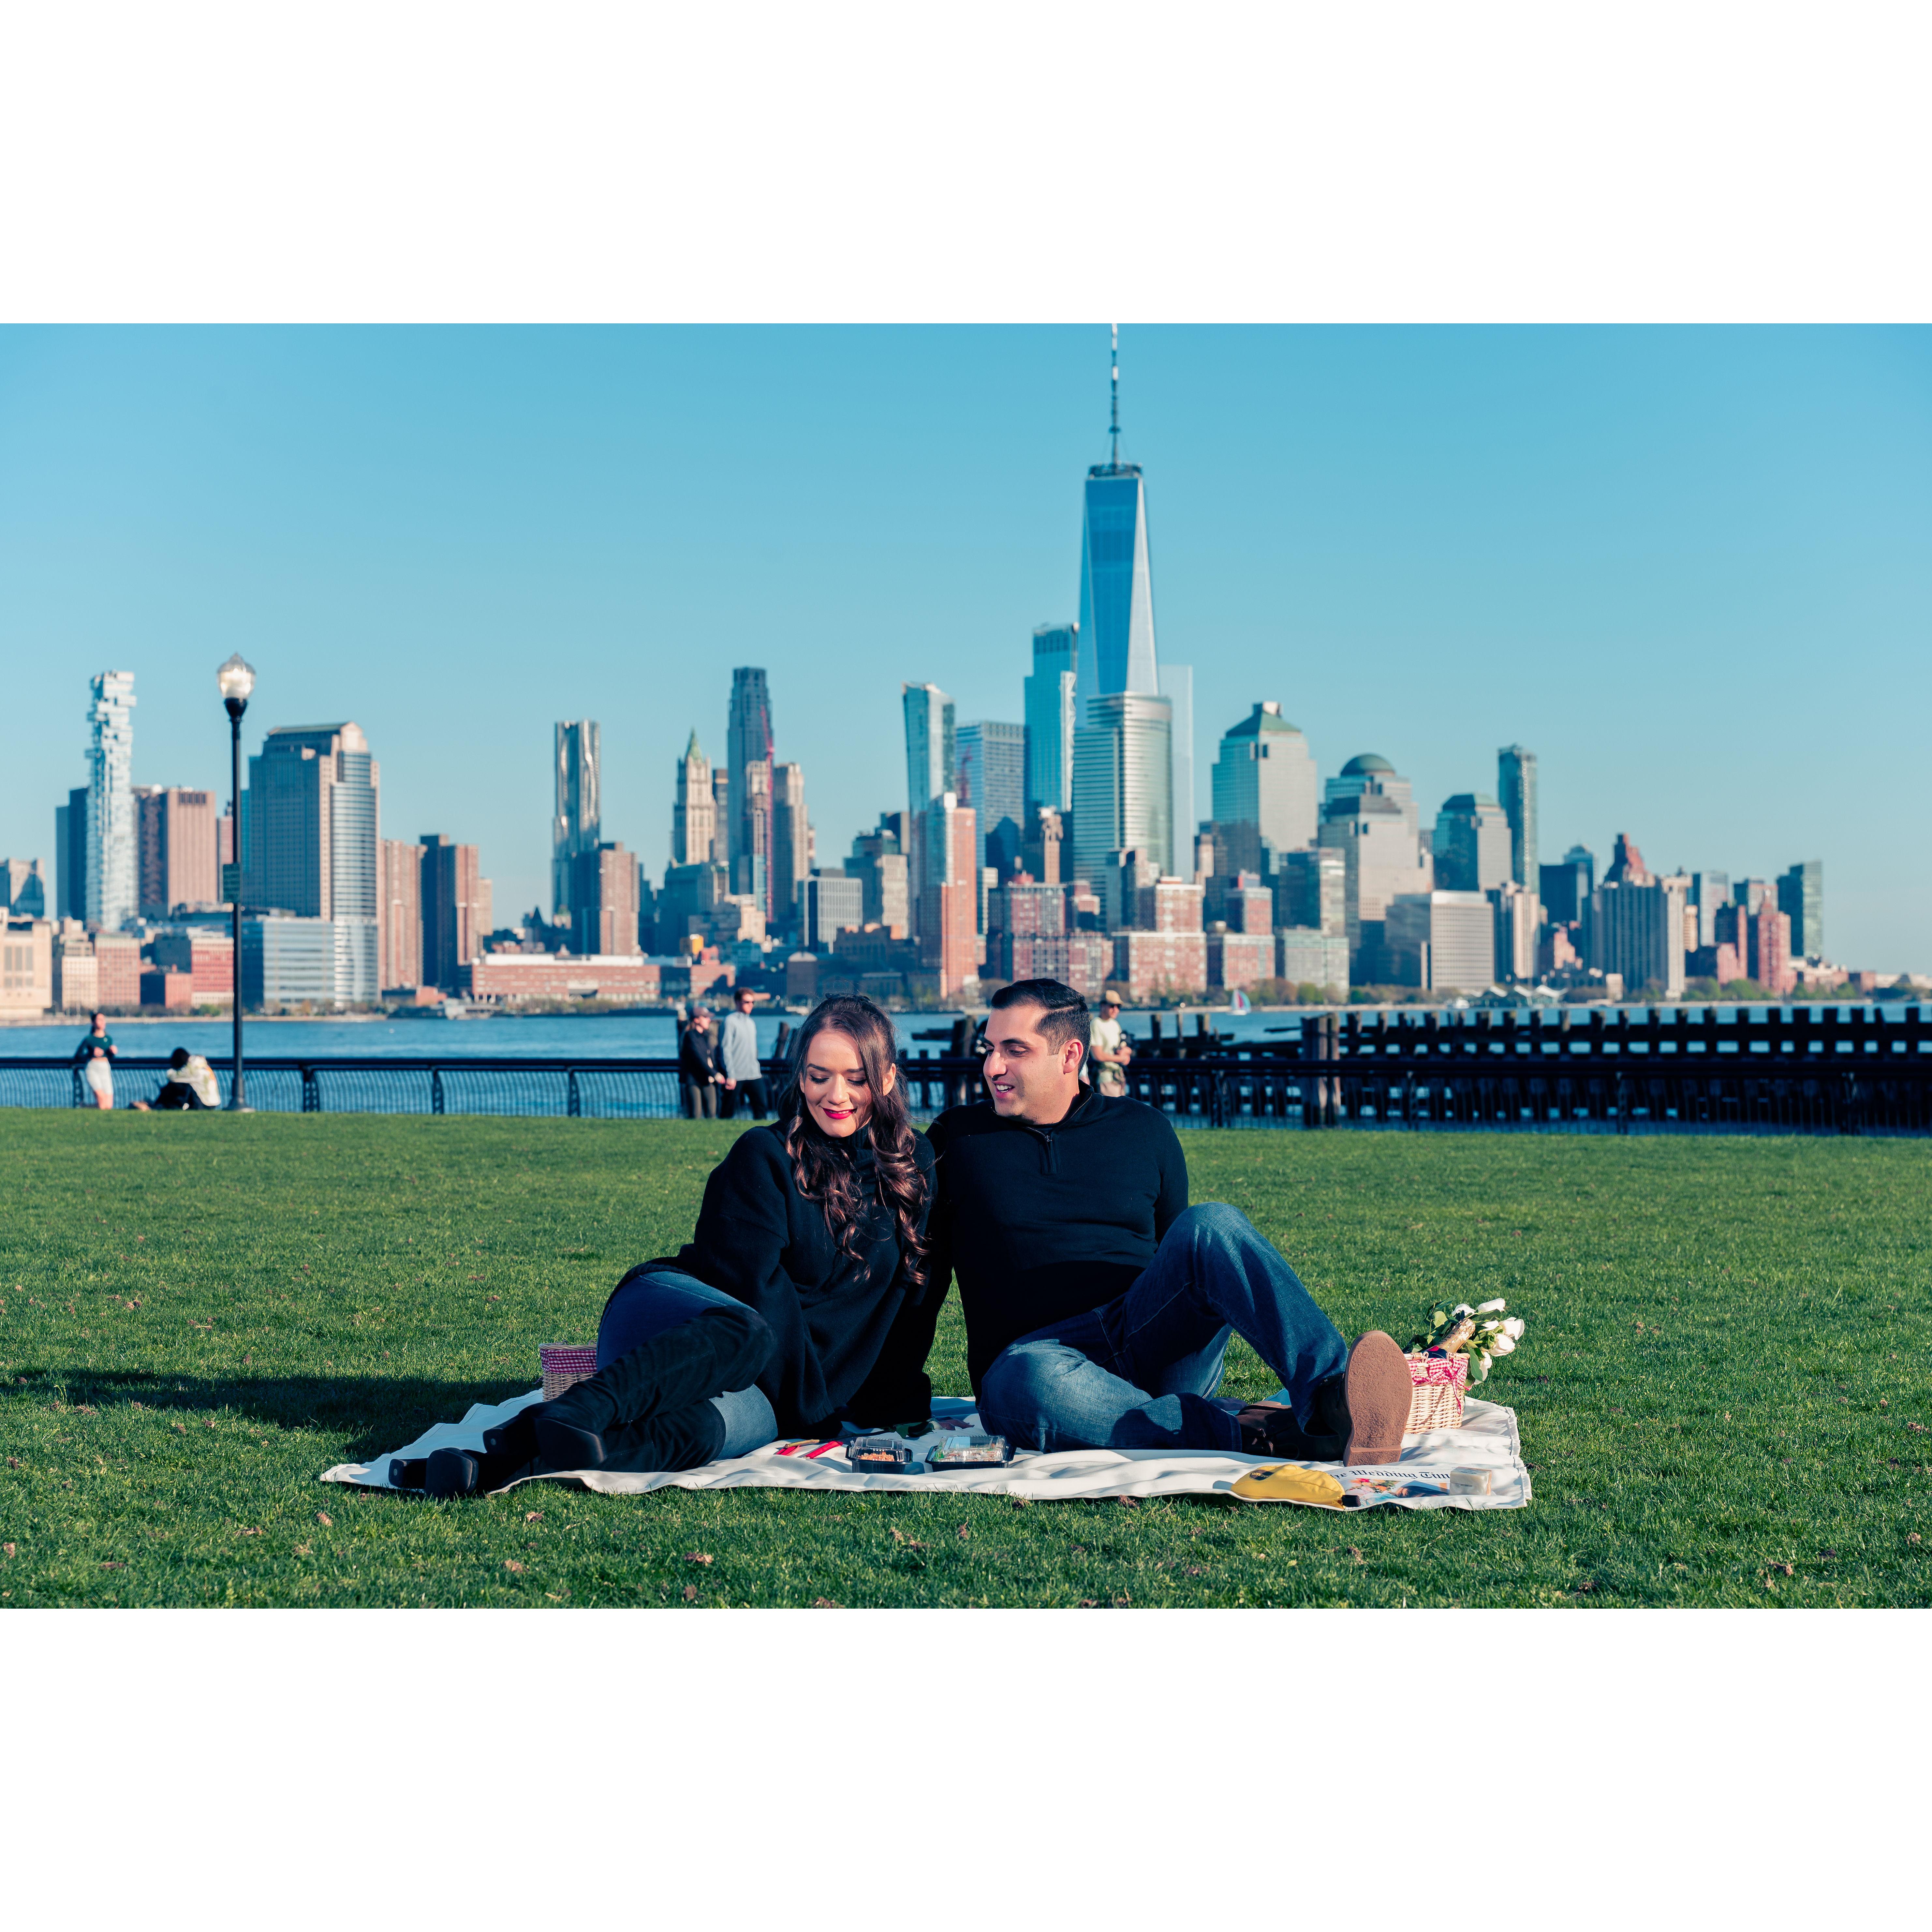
[
  {"x": 852, "y": 1335},
  {"x": 695, "y": 1060}
]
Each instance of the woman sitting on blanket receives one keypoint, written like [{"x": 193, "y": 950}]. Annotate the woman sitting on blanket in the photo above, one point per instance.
[{"x": 800, "y": 1301}]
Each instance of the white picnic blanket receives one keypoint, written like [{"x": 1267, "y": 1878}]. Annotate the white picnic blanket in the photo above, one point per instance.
[{"x": 1486, "y": 1440}]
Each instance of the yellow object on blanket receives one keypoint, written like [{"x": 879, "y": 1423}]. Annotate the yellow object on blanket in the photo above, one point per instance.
[{"x": 1290, "y": 1484}]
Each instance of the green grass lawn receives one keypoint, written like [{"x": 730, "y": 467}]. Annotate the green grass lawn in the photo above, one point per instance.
[{"x": 1727, "y": 1360}]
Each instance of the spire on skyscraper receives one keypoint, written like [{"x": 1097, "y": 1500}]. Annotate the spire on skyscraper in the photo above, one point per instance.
[{"x": 1114, "y": 357}]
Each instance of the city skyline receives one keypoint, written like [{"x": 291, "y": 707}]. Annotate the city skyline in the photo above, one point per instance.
[{"x": 1770, "y": 784}]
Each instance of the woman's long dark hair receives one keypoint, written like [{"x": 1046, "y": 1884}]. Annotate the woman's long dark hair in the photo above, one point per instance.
[{"x": 823, "y": 1175}]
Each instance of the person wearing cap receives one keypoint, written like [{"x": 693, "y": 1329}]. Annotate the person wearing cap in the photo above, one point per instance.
[{"x": 1107, "y": 1048}]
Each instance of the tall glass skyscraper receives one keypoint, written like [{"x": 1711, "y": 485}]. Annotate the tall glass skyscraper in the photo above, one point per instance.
[
  {"x": 1117, "y": 651},
  {"x": 113, "y": 872},
  {"x": 314, "y": 827},
  {"x": 1177, "y": 686},
  {"x": 1127, "y": 746},
  {"x": 992, "y": 780},
  {"x": 1122, "y": 783},
  {"x": 931, "y": 762},
  {"x": 1050, "y": 719},
  {"x": 748, "y": 741},
  {"x": 1515, "y": 787},
  {"x": 574, "y": 826}
]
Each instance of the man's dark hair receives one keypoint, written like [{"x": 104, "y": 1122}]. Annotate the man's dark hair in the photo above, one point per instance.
[
  {"x": 1063, "y": 1013},
  {"x": 179, "y": 1057}
]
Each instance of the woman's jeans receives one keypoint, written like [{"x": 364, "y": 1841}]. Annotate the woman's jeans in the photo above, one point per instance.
[
  {"x": 1138, "y": 1372},
  {"x": 644, "y": 1305}
]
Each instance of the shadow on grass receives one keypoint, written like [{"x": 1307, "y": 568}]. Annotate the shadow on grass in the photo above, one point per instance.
[{"x": 375, "y": 1412}]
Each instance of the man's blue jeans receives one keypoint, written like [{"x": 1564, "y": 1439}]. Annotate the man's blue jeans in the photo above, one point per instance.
[
  {"x": 1137, "y": 1373},
  {"x": 645, "y": 1305}
]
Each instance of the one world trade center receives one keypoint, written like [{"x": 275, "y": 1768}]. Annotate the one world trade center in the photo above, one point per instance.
[{"x": 1123, "y": 791}]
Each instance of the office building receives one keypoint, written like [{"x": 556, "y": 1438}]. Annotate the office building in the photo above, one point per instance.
[
  {"x": 693, "y": 812},
  {"x": 752, "y": 868},
  {"x": 1177, "y": 686},
  {"x": 1030, "y": 941},
  {"x": 1050, "y": 719},
  {"x": 932, "y": 761},
  {"x": 455, "y": 914},
  {"x": 748, "y": 742},
  {"x": 1516, "y": 786},
  {"x": 77, "y": 974},
  {"x": 1440, "y": 941},
  {"x": 879, "y": 863},
  {"x": 1239, "y": 959},
  {"x": 1755, "y": 945},
  {"x": 1123, "y": 781},
  {"x": 288, "y": 961},
  {"x": 71, "y": 856},
  {"x": 113, "y": 870},
  {"x": 26, "y": 964},
  {"x": 1708, "y": 892},
  {"x": 1240, "y": 902},
  {"x": 176, "y": 864},
  {"x": 23, "y": 888},
  {"x": 950, "y": 944},
  {"x": 1041, "y": 849},
  {"x": 1565, "y": 889},
  {"x": 992, "y": 780},
  {"x": 1635, "y": 926},
  {"x": 1120, "y": 883},
  {"x": 1311, "y": 889},
  {"x": 791, "y": 844},
  {"x": 205, "y": 956},
  {"x": 1368, "y": 815},
  {"x": 1519, "y": 920},
  {"x": 1472, "y": 843},
  {"x": 1306, "y": 957},
  {"x": 1264, "y": 792},
  {"x": 574, "y": 825},
  {"x": 1155, "y": 965},
  {"x": 311, "y": 826},
  {"x": 399, "y": 937},
  {"x": 687, "y": 903},
  {"x": 829, "y": 903},
  {"x": 603, "y": 900},
  {"x": 1116, "y": 643},
  {"x": 1800, "y": 898}
]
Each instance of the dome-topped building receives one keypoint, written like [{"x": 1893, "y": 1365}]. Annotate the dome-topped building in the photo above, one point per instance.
[{"x": 1365, "y": 763}]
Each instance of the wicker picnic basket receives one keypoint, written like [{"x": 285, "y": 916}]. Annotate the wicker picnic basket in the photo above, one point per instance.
[
  {"x": 1436, "y": 1399},
  {"x": 563, "y": 1366}
]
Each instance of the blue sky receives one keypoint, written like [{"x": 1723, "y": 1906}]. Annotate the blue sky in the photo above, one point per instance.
[{"x": 1691, "y": 568}]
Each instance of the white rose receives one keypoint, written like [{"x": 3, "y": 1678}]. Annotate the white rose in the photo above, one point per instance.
[
  {"x": 1513, "y": 1328},
  {"x": 1490, "y": 1307},
  {"x": 1463, "y": 1308},
  {"x": 1502, "y": 1345}
]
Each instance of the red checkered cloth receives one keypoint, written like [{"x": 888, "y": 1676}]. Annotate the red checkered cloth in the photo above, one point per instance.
[{"x": 563, "y": 1365}]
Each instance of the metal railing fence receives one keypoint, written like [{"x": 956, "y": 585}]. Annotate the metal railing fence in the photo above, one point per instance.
[{"x": 1198, "y": 1082}]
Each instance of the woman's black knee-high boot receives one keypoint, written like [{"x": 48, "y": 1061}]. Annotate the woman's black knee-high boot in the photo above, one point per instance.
[
  {"x": 722, "y": 1348},
  {"x": 676, "y": 1438}
]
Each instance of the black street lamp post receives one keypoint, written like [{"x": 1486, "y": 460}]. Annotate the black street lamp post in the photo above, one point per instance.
[{"x": 236, "y": 678}]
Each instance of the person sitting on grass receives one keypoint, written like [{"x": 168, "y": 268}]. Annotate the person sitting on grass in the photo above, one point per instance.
[
  {"x": 1098, "y": 1303},
  {"x": 801, "y": 1299},
  {"x": 190, "y": 1087}
]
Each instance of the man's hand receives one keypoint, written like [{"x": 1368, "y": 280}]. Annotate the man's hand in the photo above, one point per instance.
[{"x": 730, "y": 1083}]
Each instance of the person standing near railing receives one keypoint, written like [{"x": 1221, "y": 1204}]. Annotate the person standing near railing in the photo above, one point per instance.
[
  {"x": 738, "y": 1060},
  {"x": 95, "y": 1054},
  {"x": 697, "y": 1067}
]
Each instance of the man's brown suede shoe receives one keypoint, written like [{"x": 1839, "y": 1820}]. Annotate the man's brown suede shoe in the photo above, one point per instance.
[{"x": 1377, "y": 1387}]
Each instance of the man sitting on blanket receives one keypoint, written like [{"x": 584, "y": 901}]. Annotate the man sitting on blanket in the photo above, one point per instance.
[{"x": 1098, "y": 1303}]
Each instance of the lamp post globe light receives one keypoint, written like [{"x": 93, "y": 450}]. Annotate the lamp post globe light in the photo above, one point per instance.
[{"x": 235, "y": 680}]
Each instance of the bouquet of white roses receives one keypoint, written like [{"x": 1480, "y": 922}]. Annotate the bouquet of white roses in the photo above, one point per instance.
[{"x": 1480, "y": 1334}]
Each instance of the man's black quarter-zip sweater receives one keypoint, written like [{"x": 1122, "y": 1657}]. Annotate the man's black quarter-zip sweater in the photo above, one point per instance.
[{"x": 1040, "y": 1223}]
